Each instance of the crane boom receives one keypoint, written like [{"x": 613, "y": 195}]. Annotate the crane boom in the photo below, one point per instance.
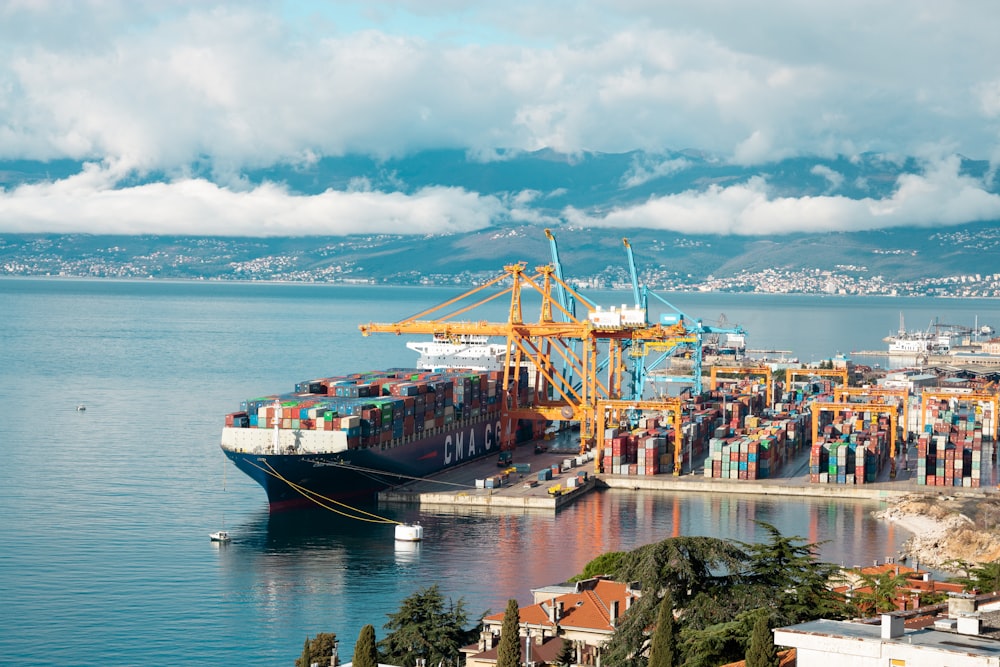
[{"x": 582, "y": 344}]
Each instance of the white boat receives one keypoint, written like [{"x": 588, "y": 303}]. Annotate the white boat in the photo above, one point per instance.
[
  {"x": 220, "y": 536},
  {"x": 937, "y": 339}
]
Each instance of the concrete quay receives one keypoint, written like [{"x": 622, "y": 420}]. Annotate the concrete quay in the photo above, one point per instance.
[{"x": 456, "y": 487}]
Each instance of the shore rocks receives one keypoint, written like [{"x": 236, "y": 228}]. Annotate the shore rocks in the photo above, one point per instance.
[{"x": 949, "y": 531}]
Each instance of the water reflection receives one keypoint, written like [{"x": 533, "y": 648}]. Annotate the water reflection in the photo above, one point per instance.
[
  {"x": 299, "y": 565},
  {"x": 407, "y": 553}
]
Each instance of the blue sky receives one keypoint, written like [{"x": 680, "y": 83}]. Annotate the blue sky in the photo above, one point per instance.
[{"x": 132, "y": 87}]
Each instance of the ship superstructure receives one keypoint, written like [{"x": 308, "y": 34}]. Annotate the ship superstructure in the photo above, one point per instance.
[{"x": 471, "y": 351}]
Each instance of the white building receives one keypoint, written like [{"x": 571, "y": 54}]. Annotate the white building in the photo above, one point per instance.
[{"x": 951, "y": 642}]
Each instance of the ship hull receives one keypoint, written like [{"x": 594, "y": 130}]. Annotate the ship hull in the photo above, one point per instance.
[{"x": 357, "y": 475}]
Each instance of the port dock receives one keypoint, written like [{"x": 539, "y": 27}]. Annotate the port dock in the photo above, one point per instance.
[
  {"x": 456, "y": 487},
  {"x": 460, "y": 486}
]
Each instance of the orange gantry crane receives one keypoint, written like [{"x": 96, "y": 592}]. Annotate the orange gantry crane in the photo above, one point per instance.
[
  {"x": 901, "y": 397},
  {"x": 762, "y": 371},
  {"x": 978, "y": 398},
  {"x": 892, "y": 411},
  {"x": 558, "y": 350},
  {"x": 792, "y": 373}
]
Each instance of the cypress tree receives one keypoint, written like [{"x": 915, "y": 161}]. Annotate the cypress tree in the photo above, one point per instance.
[
  {"x": 306, "y": 658},
  {"x": 663, "y": 645},
  {"x": 509, "y": 648},
  {"x": 365, "y": 652},
  {"x": 761, "y": 652},
  {"x": 317, "y": 649}
]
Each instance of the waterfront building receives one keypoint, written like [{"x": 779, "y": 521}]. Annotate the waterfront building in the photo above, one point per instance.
[
  {"x": 584, "y": 613},
  {"x": 969, "y": 636}
]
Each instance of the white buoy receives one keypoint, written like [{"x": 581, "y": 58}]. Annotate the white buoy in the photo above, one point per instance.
[{"x": 406, "y": 532}]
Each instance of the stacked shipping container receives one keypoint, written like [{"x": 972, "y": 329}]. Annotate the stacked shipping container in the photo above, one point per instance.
[
  {"x": 649, "y": 449},
  {"x": 950, "y": 450},
  {"x": 851, "y": 449},
  {"x": 757, "y": 451},
  {"x": 378, "y": 406}
]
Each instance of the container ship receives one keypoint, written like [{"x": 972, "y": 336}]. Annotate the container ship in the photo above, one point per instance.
[{"x": 344, "y": 438}]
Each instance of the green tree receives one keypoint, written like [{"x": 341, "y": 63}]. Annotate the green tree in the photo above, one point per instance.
[
  {"x": 365, "y": 651},
  {"x": 878, "y": 592},
  {"x": 985, "y": 577},
  {"x": 426, "y": 626},
  {"x": 719, "y": 586},
  {"x": 663, "y": 645},
  {"x": 509, "y": 648},
  {"x": 306, "y": 658},
  {"x": 786, "y": 577},
  {"x": 607, "y": 563},
  {"x": 319, "y": 649},
  {"x": 567, "y": 654},
  {"x": 780, "y": 575},
  {"x": 691, "y": 568},
  {"x": 761, "y": 651}
]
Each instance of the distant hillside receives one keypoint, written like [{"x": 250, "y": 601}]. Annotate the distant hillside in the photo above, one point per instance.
[
  {"x": 912, "y": 260},
  {"x": 908, "y": 258}
]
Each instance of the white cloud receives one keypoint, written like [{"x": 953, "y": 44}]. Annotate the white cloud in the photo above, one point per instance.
[
  {"x": 92, "y": 202},
  {"x": 833, "y": 178},
  {"x": 158, "y": 85},
  {"x": 940, "y": 195},
  {"x": 161, "y": 85},
  {"x": 643, "y": 171}
]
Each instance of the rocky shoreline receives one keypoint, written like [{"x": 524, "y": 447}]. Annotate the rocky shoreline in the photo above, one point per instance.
[{"x": 949, "y": 531}]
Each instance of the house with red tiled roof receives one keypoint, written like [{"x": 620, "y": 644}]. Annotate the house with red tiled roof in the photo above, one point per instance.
[
  {"x": 585, "y": 615},
  {"x": 920, "y": 585}
]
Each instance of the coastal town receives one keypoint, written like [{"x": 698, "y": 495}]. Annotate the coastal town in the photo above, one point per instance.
[{"x": 355, "y": 261}]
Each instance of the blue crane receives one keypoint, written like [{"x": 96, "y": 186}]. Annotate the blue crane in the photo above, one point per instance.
[
  {"x": 642, "y": 365},
  {"x": 566, "y": 300}
]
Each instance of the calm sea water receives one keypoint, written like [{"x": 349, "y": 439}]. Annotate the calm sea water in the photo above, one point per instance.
[{"x": 104, "y": 555}]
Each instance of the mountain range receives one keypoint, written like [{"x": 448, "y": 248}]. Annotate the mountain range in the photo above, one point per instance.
[{"x": 923, "y": 260}]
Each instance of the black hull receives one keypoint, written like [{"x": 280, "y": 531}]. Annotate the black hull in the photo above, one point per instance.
[{"x": 357, "y": 475}]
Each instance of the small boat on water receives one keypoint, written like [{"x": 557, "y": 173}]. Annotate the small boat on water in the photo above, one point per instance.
[{"x": 220, "y": 536}]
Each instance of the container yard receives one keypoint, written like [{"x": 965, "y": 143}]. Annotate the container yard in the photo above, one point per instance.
[
  {"x": 950, "y": 446},
  {"x": 731, "y": 442},
  {"x": 853, "y": 447}
]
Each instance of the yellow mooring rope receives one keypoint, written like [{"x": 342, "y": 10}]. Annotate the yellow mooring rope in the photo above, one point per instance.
[{"x": 360, "y": 515}]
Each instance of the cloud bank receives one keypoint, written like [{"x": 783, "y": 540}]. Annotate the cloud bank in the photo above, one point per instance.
[
  {"x": 92, "y": 201},
  {"x": 939, "y": 196},
  {"x": 89, "y": 202},
  {"x": 156, "y": 87}
]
